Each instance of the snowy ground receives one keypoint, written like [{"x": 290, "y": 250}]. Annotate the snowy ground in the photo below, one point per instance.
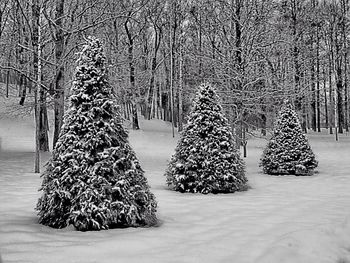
[{"x": 281, "y": 219}]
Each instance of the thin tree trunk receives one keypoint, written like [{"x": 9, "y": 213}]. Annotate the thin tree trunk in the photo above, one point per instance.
[
  {"x": 244, "y": 141},
  {"x": 23, "y": 89},
  {"x": 37, "y": 72},
  {"x": 344, "y": 28},
  {"x": 346, "y": 98},
  {"x": 339, "y": 96},
  {"x": 346, "y": 103},
  {"x": 161, "y": 102},
  {"x": 151, "y": 107},
  {"x": 37, "y": 131},
  {"x": 200, "y": 68},
  {"x": 7, "y": 79},
  {"x": 42, "y": 110},
  {"x": 298, "y": 101},
  {"x": 44, "y": 138},
  {"x": 166, "y": 103},
  {"x": 59, "y": 81},
  {"x": 313, "y": 99},
  {"x": 331, "y": 102},
  {"x": 238, "y": 60},
  {"x": 318, "y": 103},
  {"x": 306, "y": 119},
  {"x": 180, "y": 127},
  {"x": 128, "y": 110},
  {"x": 157, "y": 41},
  {"x": 135, "y": 122},
  {"x": 172, "y": 74},
  {"x": 325, "y": 97},
  {"x": 336, "y": 115},
  {"x": 157, "y": 101},
  {"x": 263, "y": 120},
  {"x": 151, "y": 89}
]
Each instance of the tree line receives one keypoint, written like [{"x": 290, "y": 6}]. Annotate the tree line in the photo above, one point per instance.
[{"x": 256, "y": 52}]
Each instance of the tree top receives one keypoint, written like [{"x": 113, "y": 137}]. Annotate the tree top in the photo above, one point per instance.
[{"x": 92, "y": 53}]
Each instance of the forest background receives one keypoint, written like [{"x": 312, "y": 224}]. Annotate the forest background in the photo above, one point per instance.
[{"x": 255, "y": 52}]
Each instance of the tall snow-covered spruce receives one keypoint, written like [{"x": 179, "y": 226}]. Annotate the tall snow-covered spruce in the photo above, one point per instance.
[
  {"x": 206, "y": 159},
  {"x": 288, "y": 151},
  {"x": 93, "y": 180}
]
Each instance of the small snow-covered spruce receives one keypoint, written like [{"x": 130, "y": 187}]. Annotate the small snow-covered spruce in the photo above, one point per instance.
[
  {"x": 288, "y": 151},
  {"x": 206, "y": 159},
  {"x": 93, "y": 180}
]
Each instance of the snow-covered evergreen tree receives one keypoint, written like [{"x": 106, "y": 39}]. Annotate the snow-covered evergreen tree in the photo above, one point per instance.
[
  {"x": 288, "y": 151},
  {"x": 93, "y": 180},
  {"x": 206, "y": 159}
]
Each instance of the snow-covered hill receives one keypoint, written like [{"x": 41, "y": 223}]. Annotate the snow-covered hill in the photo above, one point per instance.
[{"x": 280, "y": 219}]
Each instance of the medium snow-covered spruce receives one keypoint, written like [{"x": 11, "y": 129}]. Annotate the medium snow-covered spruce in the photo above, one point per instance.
[
  {"x": 93, "y": 180},
  {"x": 288, "y": 151},
  {"x": 206, "y": 159}
]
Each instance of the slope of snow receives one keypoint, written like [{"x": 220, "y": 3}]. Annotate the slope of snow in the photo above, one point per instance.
[{"x": 280, "y": 219}]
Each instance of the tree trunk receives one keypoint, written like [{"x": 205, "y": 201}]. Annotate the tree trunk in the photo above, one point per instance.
[
  {"x": 313, "y": 99},
  {"x": 59, "y": 81},
  {"x": 331, "y": 99},
  {"x": 37, "y": 73},
  {"x": 166, "y": 88},
  {"x": 135, "y": 121},
  {"x": 23, "y": 89},
  {"x": 344, "y": 33},
  {"x": 346, "y": 101},
  {"x": 171, "y": 45},
  {"x": 318, "y": 103},
  {"x": 160, "y": 101},
  {"x": 42, "y": 110},
  {"x": 244, "y": 141},
  {"x": 295, "y": 53},
  {"x": 200, "y": 68},
  {"x": 336, "y": 115},
  {"x": 263, "y": 119},
  {"x": 339, "y": 101},
  {"x": 325, "y": 97},
  {"x": 346, "y": 98},
  {"x": 151, "y": 87},
  {"x": 180, "y": 127},
  {"x": 7, "y": 79},
  {"x": 157, "y": 41},
  {"x": 239, "y": 67},
  {"x": 305, "y": 124},
  {"x": 44, "y": 138}
]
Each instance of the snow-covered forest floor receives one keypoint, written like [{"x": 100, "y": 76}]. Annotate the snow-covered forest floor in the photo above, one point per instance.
[{"x": 280, "y": 219}]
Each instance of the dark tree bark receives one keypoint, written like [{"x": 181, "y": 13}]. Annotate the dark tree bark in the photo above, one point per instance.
[
  {"x": 42, "y": 109},
  {"x": 346, "y": 95},
  {"x": 239, "y": 69},
  {"x": 157, "y": 41},
  {"x": 35, "y": 44},
  {"x": 331, "y": 97},
  {"x": 23, "y": 89},
  {"x": 345, "y": 8},
  {"x": 135, "y": 122},
  {"x": 59, "y": 81},
  {"x": 165, "y": 103},
  {"x": 24, "y": 59},
  {"x": 180, "y": 91},
  {"x": 172, "y": 34},
  {"x": 294, "y": 14},
  {"x": 313, "y": 98},
  {"x": 325, "y": 97},
  {"x": 339, "y": 88},
  {"x": 8, "y": 78},
  {"x": 318, "y": 97}
]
